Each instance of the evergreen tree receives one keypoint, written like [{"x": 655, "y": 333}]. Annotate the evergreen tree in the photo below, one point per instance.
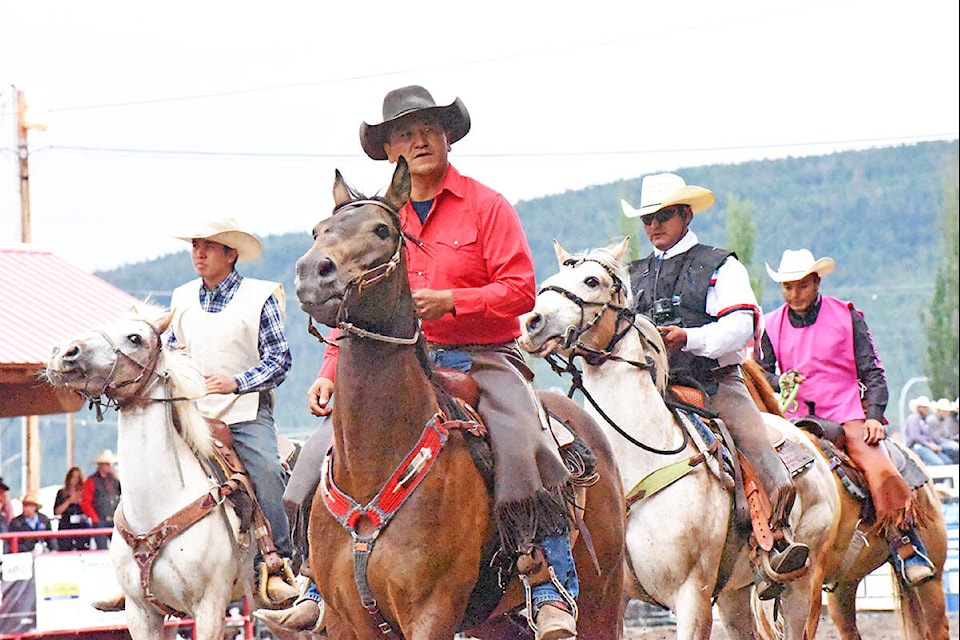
[
  {"x": 741, "y": 237},
  {"x": 942, "y": 321}
]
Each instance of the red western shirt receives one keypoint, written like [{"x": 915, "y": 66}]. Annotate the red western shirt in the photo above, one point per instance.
[{"x": 474, "y": 245}]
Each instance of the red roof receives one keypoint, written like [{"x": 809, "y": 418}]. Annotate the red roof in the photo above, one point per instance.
[{"x": 45, "y": 300}]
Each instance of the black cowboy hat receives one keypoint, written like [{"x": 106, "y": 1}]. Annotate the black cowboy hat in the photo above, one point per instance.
[
  {"x": 407, "y": 100},
  {"x": 3, "y": 485}
]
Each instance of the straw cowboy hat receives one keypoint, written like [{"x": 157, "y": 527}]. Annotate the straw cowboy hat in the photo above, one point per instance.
[
  {"x": 105, "y": 457},
  {"x": 31, "y": 498},
  {"x": 662, "y": 190},
  {"x": 407, "y": 100},
  {"x": 919, "y": 401},
  {"x": 796, "y": 265},
  {"x": 226, "y": 232}
]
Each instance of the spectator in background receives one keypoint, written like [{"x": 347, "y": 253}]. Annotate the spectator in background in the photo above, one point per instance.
[
  {"x": 101, "y": 495},
  {"x": 6, "y": 512},
  {"x": 917, "y": 435},
  {"x": 943, "y": 428},
  {"x": 67, "y": 507},
  {"x": 32, "y": 520}
]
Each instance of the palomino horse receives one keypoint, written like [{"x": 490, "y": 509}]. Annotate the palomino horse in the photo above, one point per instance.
[
  {"x": 679, "y": 539},
  {"x": 860, "y": 548},
  {"x": 406, "y": 563},
  {"x": 167, "y": 493}
]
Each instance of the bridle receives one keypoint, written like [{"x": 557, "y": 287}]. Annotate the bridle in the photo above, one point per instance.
[
  {"x": 572, "y": 341},
  {"x": 371, "y": 276}
]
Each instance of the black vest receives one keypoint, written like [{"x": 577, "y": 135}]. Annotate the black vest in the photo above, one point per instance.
[
  {"x": 106, "y": 497},
  {"x": 681, "y": 284}
]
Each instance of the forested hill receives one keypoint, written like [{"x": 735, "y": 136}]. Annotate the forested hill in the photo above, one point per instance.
[{"x": 877, "y": 213}]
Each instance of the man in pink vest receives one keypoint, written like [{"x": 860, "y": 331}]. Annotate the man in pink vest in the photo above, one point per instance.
[{"x": 825, "y": 344}]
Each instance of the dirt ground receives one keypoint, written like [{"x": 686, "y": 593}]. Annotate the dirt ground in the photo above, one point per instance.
[{"x": 872, "y": 625}]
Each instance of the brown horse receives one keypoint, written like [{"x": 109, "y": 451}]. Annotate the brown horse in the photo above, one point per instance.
[
  {"x": 921, "y": 609},
  {"x": 410, "y": 559}
]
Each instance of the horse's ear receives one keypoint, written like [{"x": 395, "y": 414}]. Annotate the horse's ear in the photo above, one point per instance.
[
  {"x": 399, "y": 191},
  {"x": 562, "y": 254},
  {"x": 341, "y": 192},
  {"x": 163, "y": 322},
  {"x": 621, "y": 249}
]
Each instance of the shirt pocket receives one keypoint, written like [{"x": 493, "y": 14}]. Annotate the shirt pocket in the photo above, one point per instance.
[{"x": 458, "y": 239}]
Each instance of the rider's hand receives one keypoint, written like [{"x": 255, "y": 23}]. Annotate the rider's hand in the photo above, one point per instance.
[
  {"x": 433, "y": 303},
  {"x": 873, "y": 431},
  {"x": 220, "y": 383},
  {"x": 318, "y": 397},
  {"x": 674, "y": 338}
]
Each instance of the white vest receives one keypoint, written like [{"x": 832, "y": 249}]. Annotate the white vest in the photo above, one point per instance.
[{"x": 224, "y": 342}]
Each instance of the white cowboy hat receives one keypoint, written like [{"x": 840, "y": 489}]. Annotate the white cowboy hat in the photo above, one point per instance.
[
  {"x": 404, "y": 101},
  {"x": 105, "y": 457},
  {"x": 796, "y": 265},
  {"x": 944, "y": 405},
  {"x": 226, "y": 232},
  {"x": 664, "y": 189},
  {"x": 920, "y": 401}
]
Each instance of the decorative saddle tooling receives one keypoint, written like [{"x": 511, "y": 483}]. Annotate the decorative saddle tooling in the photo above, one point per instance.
[
  {"x": 457, "y": 394},
  {"x": 232, "y": 483}
]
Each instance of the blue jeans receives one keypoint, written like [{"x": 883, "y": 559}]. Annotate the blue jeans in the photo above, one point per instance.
[
  {"x": 556, "y": 548},
  {"x": 256, "y": 444},
  {"x": 928, "y": 455}
]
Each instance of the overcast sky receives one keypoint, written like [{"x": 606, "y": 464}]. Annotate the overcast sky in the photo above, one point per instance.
[{"x": 159, "y": 113}]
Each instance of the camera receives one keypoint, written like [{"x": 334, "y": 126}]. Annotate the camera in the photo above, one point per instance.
[{"x": 666, "y": 312}]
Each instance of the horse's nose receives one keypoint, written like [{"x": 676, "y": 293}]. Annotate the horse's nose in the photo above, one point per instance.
[
  {"x": 532, "y": 322},
  {"x": 70, "y": 353},
  {"x": 323, "y": 267}
]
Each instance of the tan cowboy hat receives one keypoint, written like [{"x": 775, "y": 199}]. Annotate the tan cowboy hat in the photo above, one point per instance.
[
  {"x": 407, "y": 100},
  {"x": 105, "y": 457},
  {"x": 919, "y": 401},
  {"x": 226, "y": 232},
  {"x": 31, "y": 498},
  {"x": 665, "y": 189},
  {"x": 796, "y": 265}
]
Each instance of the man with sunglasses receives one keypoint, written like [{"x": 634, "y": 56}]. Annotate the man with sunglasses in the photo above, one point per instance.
[{"x": 701, "y": 301}]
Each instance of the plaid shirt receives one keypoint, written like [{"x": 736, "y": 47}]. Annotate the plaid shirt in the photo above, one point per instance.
[{"x": 275, "y": 359}]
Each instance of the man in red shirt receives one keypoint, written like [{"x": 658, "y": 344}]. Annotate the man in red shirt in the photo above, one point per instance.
[{"x": 472, "y": 275}]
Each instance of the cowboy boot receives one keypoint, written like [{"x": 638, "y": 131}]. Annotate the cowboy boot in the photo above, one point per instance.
[
  {"x": 305, "y": 615},
  {"x": 788, "y": 559},
  {"x": 909, "y": 557},
  {"x": 116, "y": 603}
]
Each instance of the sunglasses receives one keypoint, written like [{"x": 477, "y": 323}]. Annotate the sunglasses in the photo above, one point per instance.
[{"x": 661, "y": 216}]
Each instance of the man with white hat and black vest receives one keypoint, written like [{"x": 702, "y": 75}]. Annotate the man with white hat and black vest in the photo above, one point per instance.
[{"x": 701, "y": 301}]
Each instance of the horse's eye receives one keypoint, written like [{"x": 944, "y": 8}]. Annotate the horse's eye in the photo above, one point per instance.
[
  {"x": 135, "y": 339},
  {"x": 593, "y": 282},
  {"x": 570, "y": 262},
  {"x": 382, "y": 231}
]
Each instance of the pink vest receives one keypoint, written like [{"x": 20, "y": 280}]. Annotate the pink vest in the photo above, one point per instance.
[{"x": 823, "y": 354}]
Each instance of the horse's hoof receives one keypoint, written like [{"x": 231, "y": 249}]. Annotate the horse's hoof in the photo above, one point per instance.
[
  {"x": 116, "y": 603},
  {"x": 554, "y": 623}
]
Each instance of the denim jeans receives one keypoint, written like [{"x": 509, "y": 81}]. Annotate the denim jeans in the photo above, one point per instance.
[
  {"x": 556, "y": 548},
  {"x": 256, "y": 444}
]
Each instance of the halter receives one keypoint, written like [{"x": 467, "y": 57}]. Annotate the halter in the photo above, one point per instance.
[
  {"x": 596, "y": 357},
  {"x": 366, "y": 279}
]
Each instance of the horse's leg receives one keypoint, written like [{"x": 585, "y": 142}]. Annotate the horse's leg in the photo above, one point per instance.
[
  {"x": 694, "y": 610},
  {"x": 209, "y": 618},
  {"x": 143, "y": 621},
  {"x": 922, "y": 612},
  {"x": 842, "y": 606},
  {"x": 735, "y": 613}
]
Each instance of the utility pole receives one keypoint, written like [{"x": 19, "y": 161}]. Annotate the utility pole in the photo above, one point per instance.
[{"x": 31, "y": 424}]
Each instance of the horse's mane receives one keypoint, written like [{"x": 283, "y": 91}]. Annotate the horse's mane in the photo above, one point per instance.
[
  {"x": 655, "y": 350},
  {"x": 185, "y": 380}
]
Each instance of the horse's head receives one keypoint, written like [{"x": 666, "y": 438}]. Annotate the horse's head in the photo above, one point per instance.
[
  {"x": 122, "y": 360},
  {"x": 580, "y": 306},
  {"x": 358, "y": 246}
]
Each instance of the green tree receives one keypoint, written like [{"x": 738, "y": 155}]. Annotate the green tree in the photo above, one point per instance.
[
  {"x": 741, "y": 237},
  {"x": 942, "y": 320}
]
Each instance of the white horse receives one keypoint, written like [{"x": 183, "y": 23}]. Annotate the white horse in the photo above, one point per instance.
[
  {"x": 676, "y": 536},
  {"x": 161, "y": 440}
]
